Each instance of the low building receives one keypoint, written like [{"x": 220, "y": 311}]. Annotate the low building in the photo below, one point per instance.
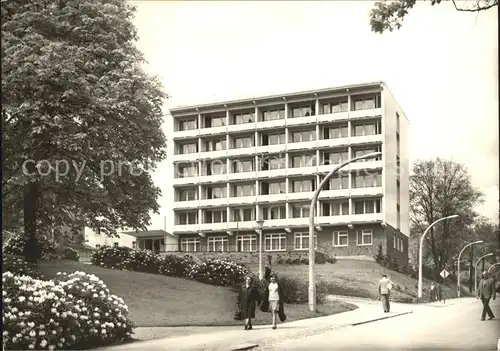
[
  {"x": 154, "y": 240},
  {"x": 97, "y": 239}
]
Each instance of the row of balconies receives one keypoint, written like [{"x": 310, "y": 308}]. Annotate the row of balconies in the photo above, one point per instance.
[
  {"x": 280, "y": 148},
  {"x": 261, "y": 125},
  {"x": 275, "y": 173},
  {"x": 276, "y": 198},
  {"x": 280, "y": 223}
]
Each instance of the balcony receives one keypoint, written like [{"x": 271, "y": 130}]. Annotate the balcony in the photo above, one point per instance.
[
  {"x": 213, "y": 154},
  {"x": 275, "y": 223},
  {"x": 242, "y": 225},
  {"x": 330, "y": 143},
  {"x": 363, "y": 192},
  {"x": 186, "y": 228},
  {"x": 186, "y": 157},
  {"x": 306, "y": 195},
  {"x": 366, "y": 218},
  {"x": 272, "y": 198},
  {"x": 273, "y": 173},
  {"x": 333, "y": 117},
  {"x": 366, "y": 139},
  {"x": 296, "y": 222},
  {"x": 333, "y": 220},
  {"x": 369, "y": 164},
  {"x": 186, "y": 180},
  {"x": 241, "y": 127},
  {"x": 334, "y": 194},
  {"x": 213, "y": 202},
  {"x": 213, "y": 227},
  {"x": 241, "y": 151},
  {"x": 302, "y": 170},
  {"x": 213, "y": 131},
  {"x": 242, "y": 200},
  {"x": 301, "y": 120},
  {"x": 242, "y": 176},
  {"x": 179, "y": 205},
  {"x": 368, "y": 113},
  {"x": 215, "y": 178},
  {"x": 305, "y": 145},
  {"x": 270, "y": 149},
  {"x": 271, "y": 124},
  {"x": 182, "y": 134}
]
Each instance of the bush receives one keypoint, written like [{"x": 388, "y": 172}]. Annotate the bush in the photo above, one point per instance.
[
  {"x": 297, "y": 291},
  {"x": 113, "y": 257},
  {"x": 75, "y": 311},
  {"x": 218, "y": 272},
  {"x": 379, "y": 256},
  {"x": 175, "y": 266},
  {"x": 144, "y": 261},
  {"x": 49, "y": 249},
  {"x": 18, "y": 266}
]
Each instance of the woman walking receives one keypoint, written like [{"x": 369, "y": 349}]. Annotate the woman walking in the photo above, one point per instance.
[
  {"x": 273, "y": 300},
  {"x": 248, "y": 299}
]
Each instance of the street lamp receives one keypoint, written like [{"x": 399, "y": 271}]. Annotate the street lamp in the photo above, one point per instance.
[
  {"x": 493, "y": 265},
  {"x": 312, "y": 212},
  {"x": 260, "y": 223},
  {"x": 475, "y": 269},
  {"x": 420, "y": 252},
  {"x": 458, "y": 263}
]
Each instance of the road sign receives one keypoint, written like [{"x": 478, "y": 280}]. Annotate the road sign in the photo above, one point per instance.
[{"x": 444, "y": 273}]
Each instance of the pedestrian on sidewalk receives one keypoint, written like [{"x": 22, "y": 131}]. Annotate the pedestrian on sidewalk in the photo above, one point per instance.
[
  {"x": 485, "y": 292},
  {"x": 247, "y": 301},
  {"x": 433, "y": 292},
  {"x": 439, "y": 292},
  {"x": 384, "y": 290},
  {"x": 273, "y": 300}
]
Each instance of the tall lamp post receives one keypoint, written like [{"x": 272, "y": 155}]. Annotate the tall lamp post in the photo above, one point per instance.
[
  {"x": 260, "y": 223},
  {"x": 312, "y": 213},
  {"x": 420, "y": 252},
  {"x": 475, "y": 269},
  {"x": 458, "y": 263}
]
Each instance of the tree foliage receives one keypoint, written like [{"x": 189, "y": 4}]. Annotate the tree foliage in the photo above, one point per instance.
[
  {"x": 74, "y": 92},
  {"x": 441, "y": 188},
  {"x": 389, "y": 15}
]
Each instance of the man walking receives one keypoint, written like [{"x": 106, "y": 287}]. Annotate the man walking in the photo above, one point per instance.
[
  {"x": 433, "y": 292},
  {"x": 384, "y": 289},
  {"x": 485, "y": 292}
]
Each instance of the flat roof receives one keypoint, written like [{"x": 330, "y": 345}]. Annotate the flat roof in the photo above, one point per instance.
[
  {"x": 147, "y": 233},
  {"x": 275, "y": 97}
]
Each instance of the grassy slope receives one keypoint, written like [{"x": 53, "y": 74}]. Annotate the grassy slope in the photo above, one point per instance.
[
  {"x": 156, "y": 300},
  {"x": 359, "y": 278}
]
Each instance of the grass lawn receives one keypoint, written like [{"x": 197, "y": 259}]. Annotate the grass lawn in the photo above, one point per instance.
[
  {"x": 359, "y": 278},
  {"x": 159, "y": 301}
]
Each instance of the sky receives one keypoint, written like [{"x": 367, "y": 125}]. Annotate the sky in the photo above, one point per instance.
[{"x": 441, "y": 66}]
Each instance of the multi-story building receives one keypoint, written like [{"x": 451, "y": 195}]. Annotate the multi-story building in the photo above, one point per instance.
[{"x": 248, "y": 168}]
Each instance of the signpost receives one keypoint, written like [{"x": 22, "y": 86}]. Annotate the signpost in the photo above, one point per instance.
[{"x": 444, "y": 273}]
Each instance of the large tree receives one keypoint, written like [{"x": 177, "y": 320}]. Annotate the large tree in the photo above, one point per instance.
[
  {"x": 389, "y": 15},
  {"x": 441, "y": 188},
  {"x": 76, "y": 98}
]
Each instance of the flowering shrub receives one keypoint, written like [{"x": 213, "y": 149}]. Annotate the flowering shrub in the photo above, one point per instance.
[
  {"x": 18, "y": 266},
  {"x": 50, "y": 250},
  {"x": 75, "y": 311},
  {"x": 175, "y": 266},
  {"x": 218, "y": 272},
  {"x": 144, "y": 261},
  {"x": 113, "y": 257}
]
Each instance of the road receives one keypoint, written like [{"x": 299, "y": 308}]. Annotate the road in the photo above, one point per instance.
[{"x": 453, "y": 327}]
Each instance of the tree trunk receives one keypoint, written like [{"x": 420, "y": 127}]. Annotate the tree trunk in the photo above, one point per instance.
[{"x": 31, "y": 248}]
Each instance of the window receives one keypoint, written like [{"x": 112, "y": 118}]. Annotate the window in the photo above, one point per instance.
[
  {"x": 187, "y": 124},
  {"x": 341, "y": 238},
  {"x": 243, "y": 190},
  {"x": 341, "y": 131},
  {"x": 190, "y": 244},
  {"x": 303, "y": 110},
  {"x": 300, "y": 210},
  {"x": 217, "y": 243},
  {"x": 189, "y": 194},
  {"x": 401, "y": 245},
  {"x": 247, "y": 243},
  {"x": 98, "y": 231},
  {"x": 185, "y": 218},
  {"x": 398, "y": 190},
  {"x": 115, "y": 244},
  {"x": 216, "y": 192},
  {"x": 366, "y": 180},
  {"x": 215, "y": 144},
  {"x": 339, "y": 105},
  {"x": 187, "y": 148},
  {"x": 244, "y": 165},
  {"x": 372, "y": 128},
  {"x": 273, "y": 138},
  {"x": 307, "y": 160},
  {"x": 336, "y": 208},
  {"x": 216, "y": 167},
  {"x": 134, "y": 245},
  {"x": 367, "y": 102},
  {"x": 275, "y": 242},
  {"x": 215, "y": 121},
  {"x": 398, "y": 165},
  {"x": 301, "y": 241},
  {"x": 398, "y": 210},
  {"x": 364, "y": 237},
  {"x": 304, "y": 185},
  {"x": 303, "y": 135},
  {"x": 274, "y": 212},
  {"x": 366, "y": 151},
  {"x": 244, "y": 141},
  {"x": 270, "y": 188},
  {"x": 339, "y": 182},
  {"x": 335, "y": 157},
  {"x": 186, "y": 170},
  {"x": 367, "y": 206},
  {"x": 273, "y": 114},
  {"x": 97, "y": 246},
  {"x": 243, "y": 117},
  {"x": 215, "y": 216},
  {"x": 244, "y": 214},
  {"x": 272, "y": 162}
]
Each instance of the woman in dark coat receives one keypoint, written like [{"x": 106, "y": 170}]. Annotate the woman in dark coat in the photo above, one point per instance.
[{"x": 248, "y": 299}]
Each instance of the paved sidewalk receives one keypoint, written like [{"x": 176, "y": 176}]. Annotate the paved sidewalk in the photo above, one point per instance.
[{"x": 229, "y": 338}]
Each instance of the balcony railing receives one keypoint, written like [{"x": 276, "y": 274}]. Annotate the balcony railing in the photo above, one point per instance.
[{"x": 231, "y": 248}]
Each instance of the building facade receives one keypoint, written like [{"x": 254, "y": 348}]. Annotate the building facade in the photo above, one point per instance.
[
  {"x": 247, "y": 169},
  {"x": 96, "y": 239}
]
